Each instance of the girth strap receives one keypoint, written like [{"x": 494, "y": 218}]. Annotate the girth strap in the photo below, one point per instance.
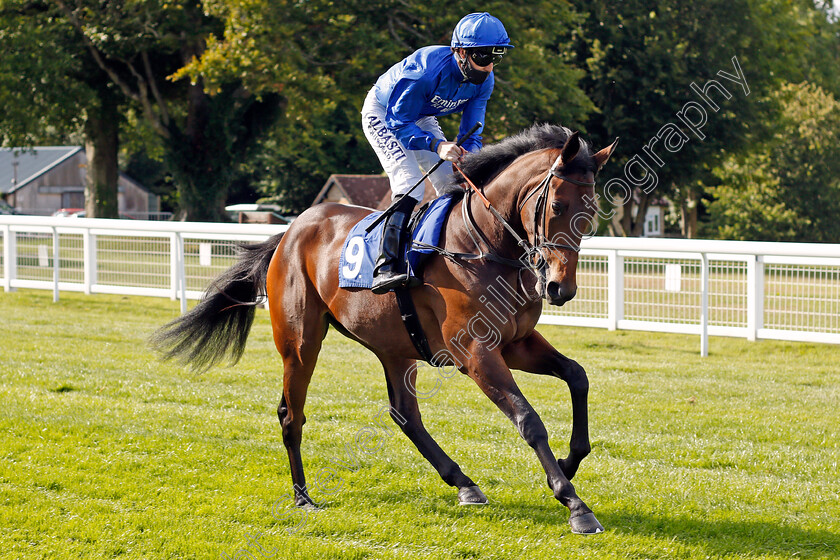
[{"x": 404, "y": 300}]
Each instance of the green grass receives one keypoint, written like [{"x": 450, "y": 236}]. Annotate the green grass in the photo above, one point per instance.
[{"x": 107, "y": 453}]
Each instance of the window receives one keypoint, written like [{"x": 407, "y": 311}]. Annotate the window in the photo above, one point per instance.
[
  {"x": 652, "y": 222},
  {"x": 73, "y": 199}
]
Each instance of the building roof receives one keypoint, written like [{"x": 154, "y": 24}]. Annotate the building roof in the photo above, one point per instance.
[
  {"x": 362, "y": 190},
  {"x": 31, "y": 164},
  {"x": 428, "y": 195}
]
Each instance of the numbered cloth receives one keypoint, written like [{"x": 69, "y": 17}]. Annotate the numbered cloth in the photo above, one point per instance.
[{"x": 360, "y": 250}]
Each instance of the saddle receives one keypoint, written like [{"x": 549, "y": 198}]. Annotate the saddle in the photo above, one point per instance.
[{"x": 360, "y": 249}]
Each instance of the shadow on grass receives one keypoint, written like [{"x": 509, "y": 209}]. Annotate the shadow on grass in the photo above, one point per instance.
[
  {"x": 716, "y": 537},
  {"x": 708, "y": 537}
]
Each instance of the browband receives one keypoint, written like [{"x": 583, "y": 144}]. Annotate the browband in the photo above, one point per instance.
[{"x": 572, "y": 181}]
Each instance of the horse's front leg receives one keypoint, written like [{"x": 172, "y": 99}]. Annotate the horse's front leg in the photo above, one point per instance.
[
  {"x": 535, "y": 355},
  {"x": 493, "y": 376}
]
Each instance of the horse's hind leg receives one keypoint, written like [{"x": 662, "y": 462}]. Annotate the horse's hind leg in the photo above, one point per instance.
[
  {"x": 399, "y": 374},
  {"x": 299, "y": 345}
]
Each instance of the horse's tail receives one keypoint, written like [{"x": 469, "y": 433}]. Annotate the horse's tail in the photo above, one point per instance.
[{"x": 219, "y": 325}]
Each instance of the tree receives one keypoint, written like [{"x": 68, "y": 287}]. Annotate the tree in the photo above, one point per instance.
[
  {"x": 51, "y": 89},
  {"x": 641, "y": 59},
  {"x": 788, "y": 187},
  {"x": 324, "y": 56},
  {"x": 206, "y": 134}
]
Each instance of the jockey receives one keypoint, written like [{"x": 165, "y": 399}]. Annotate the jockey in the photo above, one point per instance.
[{"x": 399, "y": 117}]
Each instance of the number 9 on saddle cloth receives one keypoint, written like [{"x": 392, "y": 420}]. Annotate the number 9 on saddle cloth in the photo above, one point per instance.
[{"x": 360, "y": 249}]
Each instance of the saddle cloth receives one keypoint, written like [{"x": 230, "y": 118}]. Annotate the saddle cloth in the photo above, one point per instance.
[{"x": 360, "y": 249}]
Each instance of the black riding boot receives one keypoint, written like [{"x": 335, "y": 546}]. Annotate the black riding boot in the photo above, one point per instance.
[{"x": 390, "y": 271}]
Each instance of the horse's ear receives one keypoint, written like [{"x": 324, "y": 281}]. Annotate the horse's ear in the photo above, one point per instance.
[
  {"x": 604, "y": 155},
  {"x": 570, "y": 149}
]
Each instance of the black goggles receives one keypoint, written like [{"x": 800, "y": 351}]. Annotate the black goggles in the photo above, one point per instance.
[{"x": 485, "y": 55}]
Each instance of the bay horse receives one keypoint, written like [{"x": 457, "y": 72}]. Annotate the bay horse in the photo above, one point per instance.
[{"x": 539, "y": 183}]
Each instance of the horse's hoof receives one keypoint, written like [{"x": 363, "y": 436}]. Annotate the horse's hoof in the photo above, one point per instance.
[
  {"x": 586, "y": 524},
  {"x": 471, "y": 496},
  {"x": 306, "y": 503},
  {"x": 568, "y": 471}
]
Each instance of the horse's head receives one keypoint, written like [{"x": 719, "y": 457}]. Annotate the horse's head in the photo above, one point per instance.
[{"x": 562, "y": 212}]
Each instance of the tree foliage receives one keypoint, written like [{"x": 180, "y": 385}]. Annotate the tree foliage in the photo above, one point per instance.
[
  {"x": 98, "y": 62},
  {"x": 324, "y": 56},
  {"x": 205, "y": 133},
  {"x": 42, "y": 72},
  {"x": 787, "y": 188},
  {"x": 265, "y": 94},
  {"x": 641, "y": 59},
  {"x": 51, "y": 89}
]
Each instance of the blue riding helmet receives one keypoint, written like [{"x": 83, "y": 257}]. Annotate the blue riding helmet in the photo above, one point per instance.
[{"x": 480, "y": 30}]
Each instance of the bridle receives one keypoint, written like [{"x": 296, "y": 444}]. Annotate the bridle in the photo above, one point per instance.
[
  {"x": 541, "y": 208},
  {"x": 533, "y": 257}
]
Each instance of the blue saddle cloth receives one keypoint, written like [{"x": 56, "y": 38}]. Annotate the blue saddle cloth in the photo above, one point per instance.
[{"x": 360, "y": 249}]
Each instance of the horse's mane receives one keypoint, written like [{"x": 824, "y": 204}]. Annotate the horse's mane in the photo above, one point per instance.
[{"x": 483, "y": 166}]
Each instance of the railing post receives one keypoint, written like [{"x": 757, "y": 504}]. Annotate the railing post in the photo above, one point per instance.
[
  {"x": 757, "y": 286},
  {"x": 173, "y": 266},
  {"x": 9, "y": 258},
  {"x": 182, "y": 272},
  {"x": 615, "y": 290},
  {"x": 704, "y": 305},
  {"x": 56, "y": 264},
  {"x": 755, "y": 296},
  {"x": 89, "y": 257}
]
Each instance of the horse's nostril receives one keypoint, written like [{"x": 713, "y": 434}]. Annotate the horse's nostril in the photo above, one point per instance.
[{"x": 557, "y": 294}]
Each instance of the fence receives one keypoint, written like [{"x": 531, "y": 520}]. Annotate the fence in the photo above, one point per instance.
[
  {"x": 785, "y": 291},
  {"x": 166, "y": 259}
]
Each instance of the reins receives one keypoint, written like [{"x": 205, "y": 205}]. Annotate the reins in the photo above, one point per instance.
[
  {"x": 526, "y": 246},
  {"x": 540, "y": 240},
  {"x": 533, "y": 252}
]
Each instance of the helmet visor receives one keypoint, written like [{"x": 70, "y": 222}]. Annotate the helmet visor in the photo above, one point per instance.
[{"x": 483, "y": 56}]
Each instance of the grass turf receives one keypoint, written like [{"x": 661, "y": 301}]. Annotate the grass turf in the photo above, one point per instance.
[{"x": 108, "y": 453}]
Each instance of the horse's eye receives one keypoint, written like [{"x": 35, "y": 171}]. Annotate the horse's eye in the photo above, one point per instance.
[{"x": 558, "y": 207}]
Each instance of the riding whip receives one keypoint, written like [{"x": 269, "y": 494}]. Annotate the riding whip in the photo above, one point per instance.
[{"x": 390, "y": 209}]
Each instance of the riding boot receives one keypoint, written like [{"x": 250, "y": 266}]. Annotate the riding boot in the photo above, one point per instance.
[{"x": 390, "y": 271}]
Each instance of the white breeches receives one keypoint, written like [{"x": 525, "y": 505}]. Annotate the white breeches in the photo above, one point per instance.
[{"x": 404, "y": 167}]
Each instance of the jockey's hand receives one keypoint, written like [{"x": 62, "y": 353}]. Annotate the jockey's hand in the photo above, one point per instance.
[{"x": 450, "y": 151}]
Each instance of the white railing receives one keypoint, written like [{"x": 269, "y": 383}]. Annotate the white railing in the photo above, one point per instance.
[
  {"x": 155, "y": 216},
  {"x": 783, "y": 291},
  {"x": 755, "y": 290},
  {"x": 134, "y": 257}
]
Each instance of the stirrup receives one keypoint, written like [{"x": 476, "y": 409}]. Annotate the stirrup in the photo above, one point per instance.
[{"x": 387, "y": 281}]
